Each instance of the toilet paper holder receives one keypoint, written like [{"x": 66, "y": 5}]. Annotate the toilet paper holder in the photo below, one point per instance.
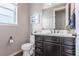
[{"x": 11, "y": 41}]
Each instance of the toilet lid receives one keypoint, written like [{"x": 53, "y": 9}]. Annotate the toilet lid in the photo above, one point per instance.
[{"x": 26, "y": 46}]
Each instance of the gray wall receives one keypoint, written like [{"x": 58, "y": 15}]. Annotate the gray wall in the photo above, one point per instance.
[
  {"x": 19, "y": 32},
  {"x": 36, "y": 8}
]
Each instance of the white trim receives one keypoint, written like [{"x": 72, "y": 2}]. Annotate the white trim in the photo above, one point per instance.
[
  {"x": 6, "y": 24},
  {"x": 16, "y": 18},
  {"x": 17, "y": 14},
  {"x": 13, "y": 54},
  {"x": 60, "y": 8},
  {"x": 67, "y": 15},
  {"x": 10, "y": 24},
  {"x": 54, "y": 18}
]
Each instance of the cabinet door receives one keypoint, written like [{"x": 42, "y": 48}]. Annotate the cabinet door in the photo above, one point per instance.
[
  {"x": 67, "y": 47},
  {"x": 67, "y": 50},
  {"x": 51, "y": 49},
  {"x": 38, "y": 51},
  {"x": 38, "y": 45},
  {"x": 38, "y": 38}
]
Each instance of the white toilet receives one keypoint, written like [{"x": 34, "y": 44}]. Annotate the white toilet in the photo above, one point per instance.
[{"x": 28, "y": 48}]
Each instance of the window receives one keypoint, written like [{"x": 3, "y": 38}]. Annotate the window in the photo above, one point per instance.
[{"x": 8, "y": 13}]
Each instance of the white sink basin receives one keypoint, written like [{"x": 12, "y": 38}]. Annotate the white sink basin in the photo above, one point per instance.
[{"x": 46, "y": 31}]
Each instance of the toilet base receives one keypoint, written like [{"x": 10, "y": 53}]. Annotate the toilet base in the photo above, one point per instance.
[
  {"x": 26, "y": 53},
  {"x": 29, "y": 53}
]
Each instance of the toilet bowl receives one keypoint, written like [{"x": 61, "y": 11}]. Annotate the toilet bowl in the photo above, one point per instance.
[{"x": 28, "y": 48}]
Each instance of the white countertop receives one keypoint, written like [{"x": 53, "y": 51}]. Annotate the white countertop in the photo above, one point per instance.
[{"x": 55, "y": 34}]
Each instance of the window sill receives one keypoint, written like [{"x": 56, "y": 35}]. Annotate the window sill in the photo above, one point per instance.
[{"x": 5, "y": 24}]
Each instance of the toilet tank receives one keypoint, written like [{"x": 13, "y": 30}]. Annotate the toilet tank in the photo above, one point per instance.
[{"x": 32, "y": 39}]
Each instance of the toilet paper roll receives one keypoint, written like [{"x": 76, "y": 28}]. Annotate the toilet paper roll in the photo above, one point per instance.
[{"x": 11, "y": 41}]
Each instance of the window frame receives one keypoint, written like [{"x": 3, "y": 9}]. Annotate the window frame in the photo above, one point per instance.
[{"x": 16, "y": 19}]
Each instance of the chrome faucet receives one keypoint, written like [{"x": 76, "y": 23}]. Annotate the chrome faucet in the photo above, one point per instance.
[
  {"x": 51, "y": 31},
  {"x": 54, "y": 30}
]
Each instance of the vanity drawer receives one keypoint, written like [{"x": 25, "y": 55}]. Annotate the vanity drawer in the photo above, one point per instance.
[
  {"x": 52, "y": 39},
  {"x": 38, "y": 38},
  {"x": 68, "y": 41}
]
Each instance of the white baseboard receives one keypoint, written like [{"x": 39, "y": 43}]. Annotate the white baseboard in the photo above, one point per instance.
[{"x": 13, "y": 54}]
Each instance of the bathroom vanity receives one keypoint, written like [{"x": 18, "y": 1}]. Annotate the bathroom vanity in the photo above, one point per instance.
[
  {"x": 51, "y": 33},
  {"x": 46, "y": 45}
]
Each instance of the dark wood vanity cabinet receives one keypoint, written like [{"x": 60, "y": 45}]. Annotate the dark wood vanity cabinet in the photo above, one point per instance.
[
  {"x": 51, "y": 49},
  {"x": 54, "y": 46}
]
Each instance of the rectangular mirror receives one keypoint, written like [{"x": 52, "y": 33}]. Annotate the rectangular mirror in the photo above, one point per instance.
[
  {"x": 55, "y": 17},
  {"x": 60, "y": 20}
]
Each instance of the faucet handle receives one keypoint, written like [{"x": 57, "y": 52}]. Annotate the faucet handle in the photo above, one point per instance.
[{"x": 51, "y": 31}]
